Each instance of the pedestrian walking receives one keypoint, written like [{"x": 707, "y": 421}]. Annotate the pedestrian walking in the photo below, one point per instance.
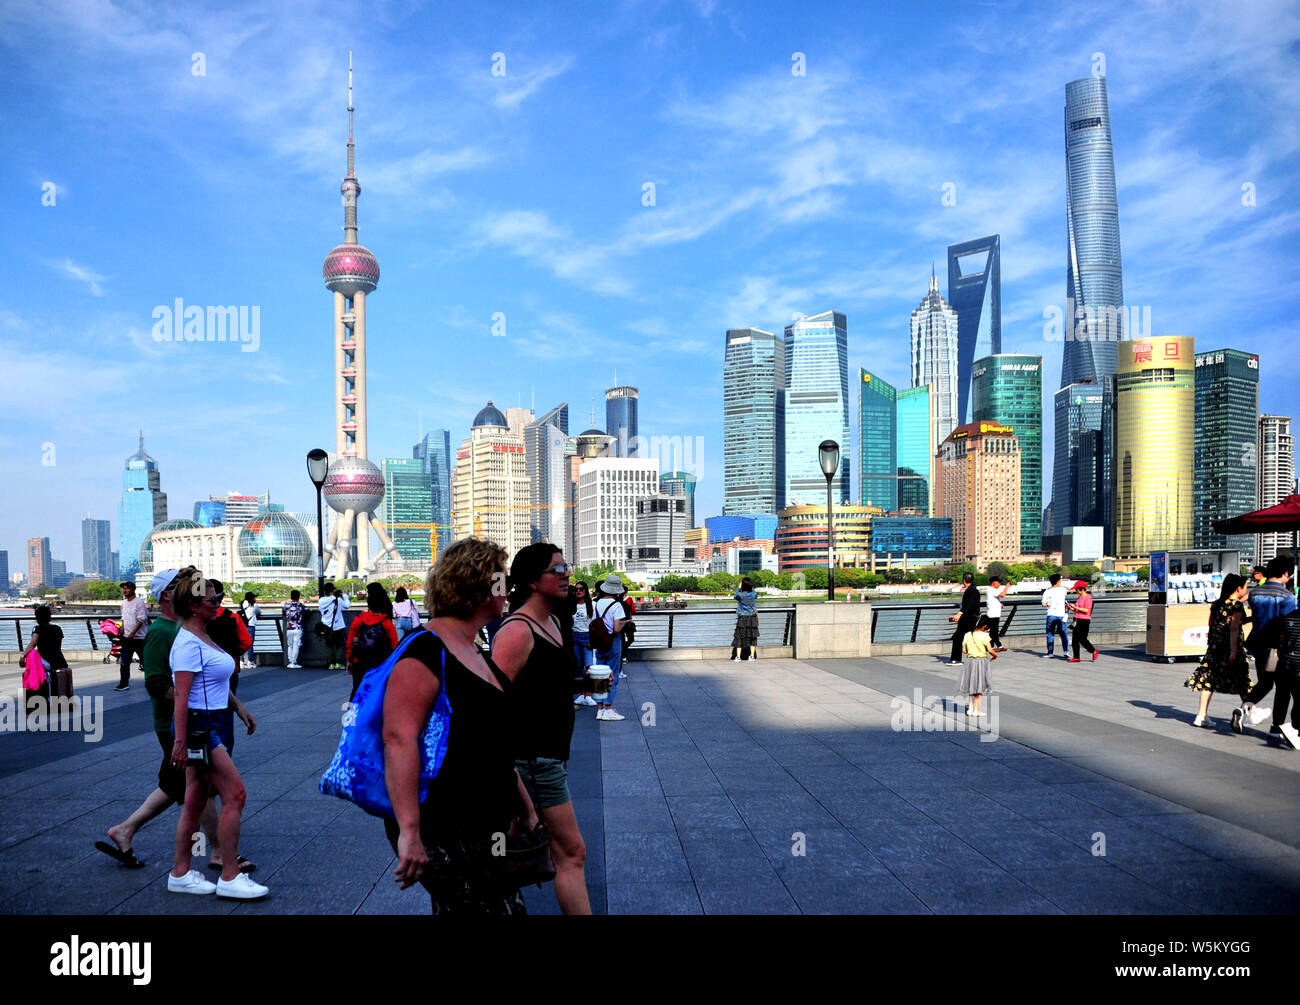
[
  {"x": 993, "y": 594},
  {"x": 582, "y": 652},
  {"x": 1270, "y": 600},
  {"x": 529, "y": 648},
  {"x": 406, "y": 614},
  {"x": 332, "y": 603},
  {"x": 445, "y": 843},
  {"x": 1224, "y": 668},
  {"x": 201, "y": 673},
  {"x": 1054, "y": 601},
  {"x": 613, "y": 616},
  {"x": 251, "y": 614},
  {"x": 1288, "y": 681},
  {"x": 744, "y": 640},
  {"x": 293, "y": 612},
  {"x": 970, "y": 612},
  {"x": 135, "y": 622},
  {"x": 1082, "y": 608},
  {"x": 372, "y": 637},
  {"x": 977, "y": 650}
]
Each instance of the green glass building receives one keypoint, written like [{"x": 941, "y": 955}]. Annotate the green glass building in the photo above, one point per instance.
[
  {"x": 1008, "y": 389},
  {"x": 877, "y": 442},
  {"x": 1227, "y": 420},
  {"x": 916, "y": 427},
  {"x": 408, "y": 498}
]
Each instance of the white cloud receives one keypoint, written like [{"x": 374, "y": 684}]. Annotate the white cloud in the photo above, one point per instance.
[
  {"x": 83, "y": 274},
  {"x": 515, "y": 88}
]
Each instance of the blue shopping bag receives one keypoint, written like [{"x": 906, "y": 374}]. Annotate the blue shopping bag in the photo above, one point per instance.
[{"x": 357, "y": 771}]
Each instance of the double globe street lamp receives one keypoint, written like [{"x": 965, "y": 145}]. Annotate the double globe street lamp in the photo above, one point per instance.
[{"x": 828, "y": 453}]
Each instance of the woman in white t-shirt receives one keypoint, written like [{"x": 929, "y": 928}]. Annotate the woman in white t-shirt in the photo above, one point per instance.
[
  {"x": 252, "y": 614},
  {"x": 993, "y": 595},
  {"x": 201, "y": 673}
]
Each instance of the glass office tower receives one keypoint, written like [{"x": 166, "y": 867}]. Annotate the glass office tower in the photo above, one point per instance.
[
  {"x": 916, "y": 448},
  {"x": 1276, "y": 458},
  {"x": 816, "y": 407},
  {"x": 753, "y": 422},
  {"x": 143, "y": 507},
  {"x": 1081, "y": 413},
  {"x": 620, "y": 418},
  {"x": 434, "y": 449},
  {"x": 1094, "y": 278},
  {"x": 1227, "y": 468},
  {"x": 1155, "y": 445},
  {"x": 407, "y": 499},
  {"x": 975, "y": 293},
  {"x": 1008, "y": 388},
  {"x": 934, "y": 357},
  {"x": 97, "y": 547},
  {"x": 878, "y": 442}
]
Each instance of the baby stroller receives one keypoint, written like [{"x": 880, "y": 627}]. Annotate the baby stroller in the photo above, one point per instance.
[{"x": 113, "y": 632}]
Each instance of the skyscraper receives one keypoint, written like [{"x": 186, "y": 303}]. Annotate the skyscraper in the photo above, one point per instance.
[
  {"x": 1008, "y": 389},
  {"x": 978, "y": 476},
  {"x": 620, "y": 418},
  {"x": 96, "y": 547},
  {"x": 210, "y": 513},
  {"x": 753, "y": 422},
  {"x": 354, "y": 488},
  {"x": 548, "y": 478},
  {"x": 934, "y": 357},
  {"x": 975, "y": 293},
  {"x": 816, "y": 407},
  {"x": 1155, "y": 445},
  {"x": 5, "y": 587},
  {"x": 40, "y": 563},
  {"x": 916, "y": 448},
  {"x": 681, "y": 483},
  {"x": 408, "y": 499},
  {"x": 608, "y": 490},
  {"x": 490, "y": 490},
  {"x": 1276, "y": 458},
  {"x": 1226, "y": 465},
  {"x": 434, "y": 449},
  {"x": 877, "y": 442},
  {"x": 1082, "y": 412},
  {"x": 1094, "y": 285},
  {"x": 143, "y": 507}
]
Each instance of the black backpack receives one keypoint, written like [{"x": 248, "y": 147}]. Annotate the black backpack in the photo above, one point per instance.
[{"x": 371, "y": 646}]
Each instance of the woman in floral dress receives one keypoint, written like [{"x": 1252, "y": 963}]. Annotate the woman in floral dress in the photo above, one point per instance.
[{"x": 1224, "y": 668}]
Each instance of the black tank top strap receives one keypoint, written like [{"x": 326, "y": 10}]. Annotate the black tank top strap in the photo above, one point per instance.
[{"x": 536, "y": 625}]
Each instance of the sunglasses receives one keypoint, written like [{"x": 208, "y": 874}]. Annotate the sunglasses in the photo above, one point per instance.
[
  {"x": 561, "y": 570},
  {"x": 216, "y": 598}
]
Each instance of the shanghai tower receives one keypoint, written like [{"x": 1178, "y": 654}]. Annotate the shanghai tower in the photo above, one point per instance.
[{"x": 1094, "y": 289}]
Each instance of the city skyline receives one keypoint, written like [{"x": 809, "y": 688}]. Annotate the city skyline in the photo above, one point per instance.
[{"x": 1213, "y": 179}]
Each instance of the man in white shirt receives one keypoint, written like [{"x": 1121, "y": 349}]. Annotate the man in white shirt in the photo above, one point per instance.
[
  {"x": 331, "y": 605},
  {"x": 1054, "y": 601},
  {"x": 135, "y": 624},
  {"x": 993, "y": 595}
]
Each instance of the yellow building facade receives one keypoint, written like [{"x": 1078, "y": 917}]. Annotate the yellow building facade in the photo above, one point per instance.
[{"x": 1155, "y": 440}]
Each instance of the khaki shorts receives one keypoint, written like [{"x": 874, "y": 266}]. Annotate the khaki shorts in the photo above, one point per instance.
[{"x": 547, "y": 780}]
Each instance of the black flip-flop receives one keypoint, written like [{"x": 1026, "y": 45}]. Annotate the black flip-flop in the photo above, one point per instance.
[
  {"x": 245, "y": 866},
  {"x": 127, "y": 858}
]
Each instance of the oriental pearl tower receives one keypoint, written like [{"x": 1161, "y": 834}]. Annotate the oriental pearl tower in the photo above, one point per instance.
[{"x": 355, "y": 487}]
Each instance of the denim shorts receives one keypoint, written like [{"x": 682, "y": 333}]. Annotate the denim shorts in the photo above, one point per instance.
[
  {"x": 213, "y": 720},
  {"x": 547, "y": 780}
]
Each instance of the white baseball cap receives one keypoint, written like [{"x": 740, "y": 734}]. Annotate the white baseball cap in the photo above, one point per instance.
[{"x": 160, "y": 582}]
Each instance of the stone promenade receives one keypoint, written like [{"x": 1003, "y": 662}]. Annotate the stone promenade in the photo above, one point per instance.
[{"x": 780, "y": 786}]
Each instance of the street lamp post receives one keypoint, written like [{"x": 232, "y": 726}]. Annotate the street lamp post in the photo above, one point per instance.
[
  {"x": 318, "y": 466},
  {"x": 828, "y": 453}
]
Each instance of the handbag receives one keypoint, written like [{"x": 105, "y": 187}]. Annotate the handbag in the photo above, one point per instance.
[
  {"x": 357, "y": 771},
  {"x": 528, "y": 859}
]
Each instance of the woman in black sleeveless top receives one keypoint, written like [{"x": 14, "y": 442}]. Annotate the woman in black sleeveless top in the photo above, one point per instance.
[
  {"x": 446, "y": 842},
  {"x": 530, "y": 648}
]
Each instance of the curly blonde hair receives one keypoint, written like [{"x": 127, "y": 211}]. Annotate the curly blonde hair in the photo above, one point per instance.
[{"x": 465, "y": 578}]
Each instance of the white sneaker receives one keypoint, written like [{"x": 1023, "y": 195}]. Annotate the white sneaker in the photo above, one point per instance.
[
  {"x": 600, "y": 713},
  {"x": 1258, "y": 715},
  {"x": 735, "y": 659},
  {"x": 1049, "y": 656},
  {"x": 751, "y": 659},
  {"x": 1199, "y": 721},
  {"x": 191, "y": 882},
  {"x": 612, "y": 716},
  {"x": 1291, "y": 734},
  {"x": 970, "y": 710},
  {"x": 295, "y": 666},
  {"x": 241, "y": 888}
]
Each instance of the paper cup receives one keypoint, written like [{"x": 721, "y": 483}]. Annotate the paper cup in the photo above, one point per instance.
[{"x": 599, "y": 674}]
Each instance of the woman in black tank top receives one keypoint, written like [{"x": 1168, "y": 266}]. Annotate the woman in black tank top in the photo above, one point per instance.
[
  {"x": 445, "y": 843},
  {"x": 529, "y": 647}
]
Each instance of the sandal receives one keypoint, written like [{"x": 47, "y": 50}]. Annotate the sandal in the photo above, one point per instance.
[
  {"x": 127, "y": 858},
  {"x": 245, "y": 865}
]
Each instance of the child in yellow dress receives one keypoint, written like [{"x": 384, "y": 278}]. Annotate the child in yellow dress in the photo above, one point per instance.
[{"x": 977, "y": 650}]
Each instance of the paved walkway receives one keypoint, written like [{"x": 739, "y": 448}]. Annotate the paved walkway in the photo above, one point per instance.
[{"x": 773, "y": 787}]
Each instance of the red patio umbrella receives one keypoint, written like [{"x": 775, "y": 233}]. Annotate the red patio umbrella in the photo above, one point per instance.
[{"x": 1283, "y": 517}]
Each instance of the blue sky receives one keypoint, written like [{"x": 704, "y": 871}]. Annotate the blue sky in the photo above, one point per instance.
[{"x": 522, "y": 194}]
